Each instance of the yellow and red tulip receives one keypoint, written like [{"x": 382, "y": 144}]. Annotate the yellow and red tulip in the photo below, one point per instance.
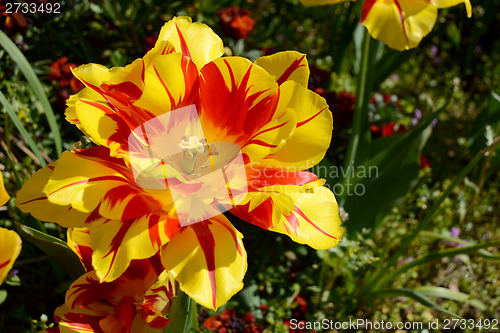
[
  {"x": 137, "y": 301},
  {"x": 264, "y": 108},
  {"x": 401, "y": 24}
]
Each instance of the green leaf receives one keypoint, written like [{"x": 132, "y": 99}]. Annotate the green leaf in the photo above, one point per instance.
[
  {"x": 413, "y": 294},
  {"x": 480, "y": 252},
  {"x": 431, "y": 257},
  {"x": 488, "y": 116},
  {"x": 20, "y": 127},
  {"x": 181, "y": 314},
  {"x": 3, "y": 296},
  {"x": 250, "y": 299},
  {"x": 30, "y": 75},
  {"x": 446, "y": 293},
  {"x": 54, "y": 248},
  {"x": 396, "y": 172}
]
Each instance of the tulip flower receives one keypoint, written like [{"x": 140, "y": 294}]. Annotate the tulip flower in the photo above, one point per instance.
[
  {"x": 137, "y": 301},
  {"x": 138, "y": 203},
  {"x": 401, "y": 24}
]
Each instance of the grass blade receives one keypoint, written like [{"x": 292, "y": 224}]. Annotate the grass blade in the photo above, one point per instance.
[
  {"x": 20, "y": 127},
  {"x": 30, "y": 75},
  {"x": 452, "y": 295},
  {"x": 413, "y": 294},
  {"x": 433, "y": 256}
]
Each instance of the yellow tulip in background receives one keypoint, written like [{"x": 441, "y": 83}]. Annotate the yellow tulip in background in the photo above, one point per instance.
[
  {"x": 401, "y": 24},
  {"x": 10, "y": 242}
]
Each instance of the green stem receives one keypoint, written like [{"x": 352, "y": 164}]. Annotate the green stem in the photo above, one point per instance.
[
  {"x": 359, "y": 125},
  {"x": 182, "y": 315}
]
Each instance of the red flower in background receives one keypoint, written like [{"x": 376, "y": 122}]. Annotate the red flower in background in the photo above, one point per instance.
[
  {"x": 11, "y": 22},
  {"x": 391, "y": 128},
  {"x": 150, "y": 41},
  {"x": 236, "y": 22},
  {"x": 60, "y": 70},
  {"x": 227, "y": 321},
  {"x": 387, "y": 129}
]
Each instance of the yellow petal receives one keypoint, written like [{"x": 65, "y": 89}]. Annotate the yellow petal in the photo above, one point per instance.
[
  {"x": 240, "y": 105},
  {"x": 4, "y": 196},
  {"x": 293, "y": 210},
  {"x": 31, "y": 199},
  {"x": 79, "y": 241},
  {"x": 95, "y": 118},
  {"x": 322, "y": 2},
  {"x": 194, "y": 40},
  {"x": 10, "y": 247},
  {"x": 402, "y": 24},
  {"x": 171, "y": 82},
  {"x": 116, "y": 243},
  {"x": 208, "y": 260},
  {"x": 91, "y": 181},
  {"x": 94, "y": 75},
  {"x": 312, "y": 135},
  {"x": 288, "y": 65},
  {"x": 451, "y": 3}
]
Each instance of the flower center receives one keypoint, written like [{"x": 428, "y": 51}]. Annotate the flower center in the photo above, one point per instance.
[{"x": 192, "y": 148}]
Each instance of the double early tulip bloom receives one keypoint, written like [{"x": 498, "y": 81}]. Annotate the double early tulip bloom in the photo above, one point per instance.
[{"x": 152, "y": 230}]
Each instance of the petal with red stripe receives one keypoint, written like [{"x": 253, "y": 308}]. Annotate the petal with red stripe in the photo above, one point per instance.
[
  {"x": 307, "y": 212},
  {"x": 91, "y": 181},
  {"x": 401, "y": 24},
  {"x": 194, "y": 40},
  {"x": 31, "y": 199},
  {"x": 4, "y": 196},
  {"x": 312, "y": 134},
  {"x": 10, "y": 247},
  {"x": 116, "y": 243},
  {"x": 239, "y": 103},
  {"x": 171, "y": 82},
  {"x": 79, "y": 242},
  {"x": 208, "y": 260},
  {"x": 94, "y": 116},
  {"x": 284, "y": 66}
]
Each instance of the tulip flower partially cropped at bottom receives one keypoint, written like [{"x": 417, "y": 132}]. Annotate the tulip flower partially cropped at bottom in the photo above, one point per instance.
[
  {"x": 136, "y": 302},
  {"x": 263, "y": 109},
  {"x": 401, "y": 24}
]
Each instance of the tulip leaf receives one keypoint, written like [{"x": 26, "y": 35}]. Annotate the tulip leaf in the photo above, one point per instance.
[
  {"x": 480, "y": 252},
  {"x": 446, "y": 293},
  {"x": 9, "y": 109},
  {"x": 250, "y": 299},
  {"x": 413, "y": 294},
  {"x": 54, "y": 248},
  {"x": 34, "y": 82},
  {"x": 3, "y": 296},
  {"x": 181, "y": 314},
  {"x": 383, "y": 181},
  {"x": 431, "y": 257}
]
